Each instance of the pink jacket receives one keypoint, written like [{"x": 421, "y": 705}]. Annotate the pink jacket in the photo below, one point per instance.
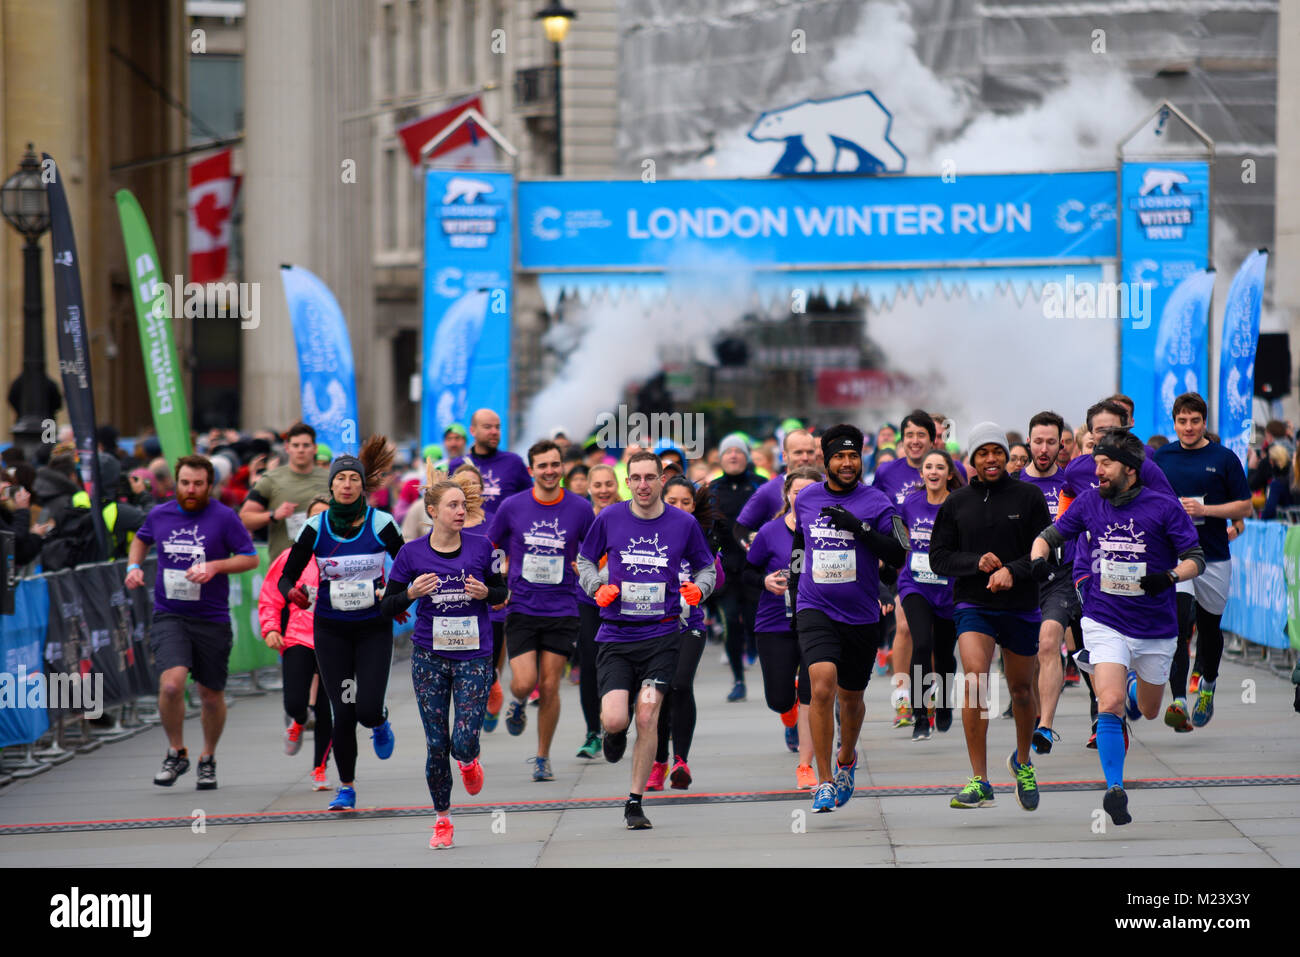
[{"x": 270, "y": 604}]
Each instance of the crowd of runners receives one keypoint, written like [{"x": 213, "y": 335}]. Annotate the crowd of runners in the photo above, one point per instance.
[{"x": 822, "y": 555}]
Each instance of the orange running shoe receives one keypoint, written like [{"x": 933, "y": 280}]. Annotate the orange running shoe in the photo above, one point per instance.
[
  {"x": 805, "y": 777},
  {"x": 472, "y": 776},
  {"x": 495, "y": 697},
  {"x": 293, "y": 737},
  {"x": 442, "y": 834},
  {"x": 658, "y": 771},
  {"x": 1194, "y": 685},
  {"x": 319, "y": 782},
  {"x": 791, "y": 717}
]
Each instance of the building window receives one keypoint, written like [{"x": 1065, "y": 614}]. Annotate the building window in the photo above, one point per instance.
[
  {"x": 391, "y": 188},
  {"x": 414, "y": 25},
  {"x": 441, "y": 44},
  {"x": 471, "y": 43},
  {"x": 414, "y": 211},
  {"x": 390, "y": 50}
]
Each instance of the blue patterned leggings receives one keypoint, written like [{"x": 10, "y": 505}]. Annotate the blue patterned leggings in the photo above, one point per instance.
[{"x": 436, "y": 679}]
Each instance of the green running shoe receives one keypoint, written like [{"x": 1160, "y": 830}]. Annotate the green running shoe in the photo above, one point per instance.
[
  {"x": 591, "y": 747},
  {"x": 1026, "y": 783},
  {"x": 976, "y": 794}
]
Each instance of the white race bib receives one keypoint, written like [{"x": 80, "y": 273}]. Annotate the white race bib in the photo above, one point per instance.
[
  {"x": 177, "y": 587},
  {"x": 1122, "y": 578},
  {"x": 643, "y": 599},
  {"x": 543, "y": 569},
  {"x": 921, "y": 573},
  {"x": 1200, "y": 519},
  {"x": 352, "y": 596},
  {"x": 834, "y": 567},
  {"x": 455, "y": 634},
  {"x": 294, "y": 523}
]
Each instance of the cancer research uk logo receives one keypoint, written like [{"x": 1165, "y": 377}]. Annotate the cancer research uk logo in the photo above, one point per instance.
[
  {"x": 843, "y": 134},
  {"x": 1164, "y": 209},
  {"x": 467, "y": 221}
]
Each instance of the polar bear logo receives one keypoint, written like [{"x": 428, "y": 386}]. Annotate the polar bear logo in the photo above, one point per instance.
[
  {"x": 844, "y": 134},
  {"x": 1162, "y": 179},
  {"x": 459, "y": 188}
]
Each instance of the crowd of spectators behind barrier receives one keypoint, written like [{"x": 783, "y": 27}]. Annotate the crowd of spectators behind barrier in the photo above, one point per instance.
[{"x": 42, "y": 501}]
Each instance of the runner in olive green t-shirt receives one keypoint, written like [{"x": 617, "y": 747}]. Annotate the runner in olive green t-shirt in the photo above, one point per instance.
[{"x": 280, "y": 497}]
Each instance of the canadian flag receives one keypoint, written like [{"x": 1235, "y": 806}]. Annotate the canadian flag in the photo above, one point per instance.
[
  {"x": 212, "y": 197},
  {"x": 467, "y": 148}
]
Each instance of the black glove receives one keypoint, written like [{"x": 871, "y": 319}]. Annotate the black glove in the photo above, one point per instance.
[
  {"x": 1156, "y": 582},
  {"x": 843, "y": 519}
]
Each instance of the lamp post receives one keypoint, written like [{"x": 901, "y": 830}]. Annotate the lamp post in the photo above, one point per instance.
[
  {"x": 26, "y": 206},
  {"x": 556, "y": 18}
]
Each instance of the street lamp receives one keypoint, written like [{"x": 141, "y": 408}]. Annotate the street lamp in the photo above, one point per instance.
[
  {"x": 26, "y": 206},
  {"x": 556, "y": 18}
]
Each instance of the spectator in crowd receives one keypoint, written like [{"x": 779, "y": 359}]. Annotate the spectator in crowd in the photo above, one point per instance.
[
  {"x": 16, "y": 517},
  {"x": 1018, "y": 459},
  {"x": 1280, "y": 492},
  {"x": 164, "y": 483}
]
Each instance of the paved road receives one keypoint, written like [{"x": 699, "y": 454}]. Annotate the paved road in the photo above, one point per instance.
[{"x": 738, "y": 748}]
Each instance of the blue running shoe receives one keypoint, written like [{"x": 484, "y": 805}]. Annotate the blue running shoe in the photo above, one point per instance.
[
  {"x": 979, "y": 793},
  {"x": 384, "y": 741},
  {"x": 1204, "y": 709},
  {"x": 490, "y": 721},
  {"x": 1131, "y": 700},
  {"x": 824, "y": 798},
  {"x": 542, "y": 769},
  {"x": 516, "y": 717},
  {"x": 844, "y": 781},
  {"x": 344, "y": 800},
  {"x": 792, "y": 738}
]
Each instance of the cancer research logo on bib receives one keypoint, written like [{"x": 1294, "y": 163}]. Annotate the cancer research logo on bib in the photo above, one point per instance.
[
  {"x": 464, "y": 218},
  {"x": 644, "y": 556},
  {"x": 1163, "y": 208},
  {"x": 843, "y": 134}
]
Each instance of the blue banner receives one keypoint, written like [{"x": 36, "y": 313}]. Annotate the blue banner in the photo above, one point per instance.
[
  {"x": 848, "y": 220},
  {"x": 1164, "y": 237},
  {"x": 22, "y": 665},
  {"x": 1237, "y": 357},
  {"x": 1182, "y": 357},
  {"x": 467, "y": 299},
  {"x": 1257, "y": 596},
  {"x": 325, "y": 369}
]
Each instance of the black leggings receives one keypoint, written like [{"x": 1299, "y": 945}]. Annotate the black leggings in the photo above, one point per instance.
[
  {"x": 299, "y": 667},
  {"x": 588, "y": 690},
  {"x": 932, "y": 636},
  {"x": 781, "y": 663},
  {"x": 728, "y": 605},
  {"x": 677, "y": 713},
  {"x": 354, "y": 659},
  {"x": 1209, "y": 644}
]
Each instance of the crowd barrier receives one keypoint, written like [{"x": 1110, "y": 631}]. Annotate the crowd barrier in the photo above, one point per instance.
[{"x": 1264, "y": 598}]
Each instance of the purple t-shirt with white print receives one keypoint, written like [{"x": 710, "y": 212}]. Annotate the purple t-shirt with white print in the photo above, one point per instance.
[
  {"x": 184, "y": 539},
  {"x": 542, "y": 542},
  {"x": 916, "y": 578},
  {"x": 840, "y": 575}
]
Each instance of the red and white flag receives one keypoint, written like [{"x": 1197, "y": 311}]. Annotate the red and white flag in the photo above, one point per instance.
[
  {"x": 212, "y": 198},
  {"x": 467, "y": 148}
]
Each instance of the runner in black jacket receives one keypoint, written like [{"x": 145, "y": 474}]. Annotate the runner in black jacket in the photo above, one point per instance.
[
  {"x": 982, "y": 537},
  {"x": 731, "y": 490}
]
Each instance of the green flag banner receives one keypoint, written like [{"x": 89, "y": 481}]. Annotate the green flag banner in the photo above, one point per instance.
[
  {"x": 170, "y": 417},
  {"x": 1291, "y": 563},
  {"x": 249, "y": 651}
]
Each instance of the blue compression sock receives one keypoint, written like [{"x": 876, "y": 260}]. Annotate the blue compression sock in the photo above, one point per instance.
[{"x": 1110, "y": 748}]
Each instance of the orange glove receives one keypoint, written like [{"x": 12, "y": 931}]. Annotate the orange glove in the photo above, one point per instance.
[
  {"x": 605, "y": 595},
  {"x": 691, "y": 592}
]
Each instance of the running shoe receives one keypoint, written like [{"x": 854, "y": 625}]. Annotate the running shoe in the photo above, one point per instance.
[
  {"x": 471, "y": 775},
  {"x": 1010, "y": 712},
  {"x": 903, "y": 715},
  {"x": 1176, "y": 716},
  {"x": 1116, "y": 805},
  {"x": 174, "y": 765},
  {"x": 658, "y": 772},
  {"x": 1131, "y": 697},
  {"x": 614, "y": 745},
  {"x": 442, "y": 834},
  {"x": 319, "y": 780},
  {"x": 979, "y": 793},
  {"x": 1092, "y": 741},
  {"x": 680, "y": 777},
  {"x": 1071, "y": 673},
  {"x": 207, "y": 774},
  {"x": 591, "y": 747},
  {"x": 882, "y": 661},
  {"x": 535, "y": 697},
  {"x": 751, "y": 659},
  {"x": 293, "y": 738},
  {"x": 542, "y": 769},
  {"x": 942, "y": 719},
  {"x": 1042, "y": 740},
  {"x": 495, "y": 699},
  {"x": 824, "y": 798},
  {"x": 844, "y": 781},
  {"x": 1026, "y": 783},
  {"x": 792, "y": 738},
  {"x": 805, "y": 778},
  {"x": 737, "y": 692},
  {"x": 516, "y": 718},
  {"x": 921, "y": 730},
  {"x": 384, "y": 740},
  {"x": 1204, "y": 709},
  {"x": 634, "y": 817},
  {"x": 345, "y": 799},
  {"x": 489, "y": 721},
  {"x": 1194, "y": 685},
  {"x": 791, "y": 718}
]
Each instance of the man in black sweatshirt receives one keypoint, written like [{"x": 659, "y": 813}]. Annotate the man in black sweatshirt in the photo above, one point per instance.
[{"x": 982, "y": 537}]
